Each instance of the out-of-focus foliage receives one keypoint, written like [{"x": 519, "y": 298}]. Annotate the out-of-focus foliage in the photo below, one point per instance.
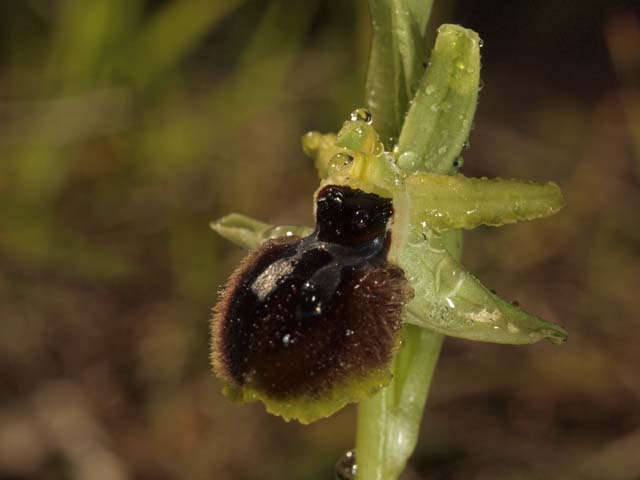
[{"x": 127, "y": 125}]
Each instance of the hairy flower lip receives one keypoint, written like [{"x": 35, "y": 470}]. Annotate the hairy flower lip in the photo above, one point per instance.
[{"x": 306, "y": 364}]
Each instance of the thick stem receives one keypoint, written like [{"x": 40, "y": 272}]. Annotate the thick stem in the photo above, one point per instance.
[{"x": 389, "y": 422}]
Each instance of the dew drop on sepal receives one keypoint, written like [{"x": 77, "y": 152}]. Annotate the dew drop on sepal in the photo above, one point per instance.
[
  {"x": 361, "y": 114},
  {"x": 408, "y": 161}
]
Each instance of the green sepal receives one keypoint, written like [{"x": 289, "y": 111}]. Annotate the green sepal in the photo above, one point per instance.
[
  {"x": 446, "y": 202},
  {"x": 450, "y": 300},
  {"x": 249, "y": 233},
  {"x": 438, "y": 123}
]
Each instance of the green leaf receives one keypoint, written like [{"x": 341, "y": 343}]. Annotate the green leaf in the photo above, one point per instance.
[
  {"x": 395, "y": 62},
  {"x": 438, "y": 122},
  {"x": 442, "y": 201},
  {"x": 258, "y": 82},
  {"x": 249, "y": 233},
  {"x": 450, "y": 300},
  {"x": 420, "y": 11},
  {"x": 173, "y": 32},
  {"x": 87, "y": 31}
]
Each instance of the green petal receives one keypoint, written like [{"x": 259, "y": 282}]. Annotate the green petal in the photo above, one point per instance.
[
  {"x": 444, "y": 202},
  {"x": 322, "y": 148},
  {"x": 451, "y": 301},
  {"x": 438, "y": 122},
  {"x": 249, "y": 233}
]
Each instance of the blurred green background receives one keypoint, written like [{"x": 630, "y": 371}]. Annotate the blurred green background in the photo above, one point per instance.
[{"x": 127, "y": 125}]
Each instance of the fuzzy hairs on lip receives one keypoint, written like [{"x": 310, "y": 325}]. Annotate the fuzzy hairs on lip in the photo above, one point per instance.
[{"x": 310, "y": 324}]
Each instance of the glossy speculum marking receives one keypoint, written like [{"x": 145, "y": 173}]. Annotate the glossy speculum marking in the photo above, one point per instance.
[{"x": 315, "y": 319}]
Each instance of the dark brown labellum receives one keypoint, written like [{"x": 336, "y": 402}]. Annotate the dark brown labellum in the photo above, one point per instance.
[{"x": 310, "y": 324}]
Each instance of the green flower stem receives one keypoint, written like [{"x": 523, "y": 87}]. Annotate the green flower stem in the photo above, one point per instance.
[
  {"x": 389, "y": 422},
  {"x": 433, "y": 133}
]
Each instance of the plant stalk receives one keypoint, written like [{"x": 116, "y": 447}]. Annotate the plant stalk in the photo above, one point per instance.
[{"x": 389, "y": 422}]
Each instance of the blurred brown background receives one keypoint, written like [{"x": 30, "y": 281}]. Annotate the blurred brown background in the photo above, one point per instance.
[{"x": 127, "y": 125}]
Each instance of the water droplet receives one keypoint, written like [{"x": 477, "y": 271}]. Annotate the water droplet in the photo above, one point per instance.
[
  {"x": 442, "y": 150},
  {"x": 309, "y": 302},
  {"x": 446, "y": 106},
  {"x": 460, "y": 65},
  {"x": 458, "y": 162},
  {"x": 339, "y": 161},
  {"x": 480, "y": 85},
  {"x": 346, "y": 467},
  {"x": 360, "y": 219},
  {"x": 361, "y": 114},
  {"x": 430, "y": 90},
  {"x": 286, "y": 340},
  {"x": 408, "y": 161},
  {"x": 334, "y": 197},
  {"x": 416, "y": 238},
  {"x": 435, "y": 107},
  {"x": 480, "y": 43}
]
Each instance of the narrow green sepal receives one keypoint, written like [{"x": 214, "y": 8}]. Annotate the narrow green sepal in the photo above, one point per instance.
[
  {"x": 450, "y": 300},
  {"x": 249, "y": 233},
  {"x": 438, "y": 123},
  {"x": 446, "y": 202}
]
